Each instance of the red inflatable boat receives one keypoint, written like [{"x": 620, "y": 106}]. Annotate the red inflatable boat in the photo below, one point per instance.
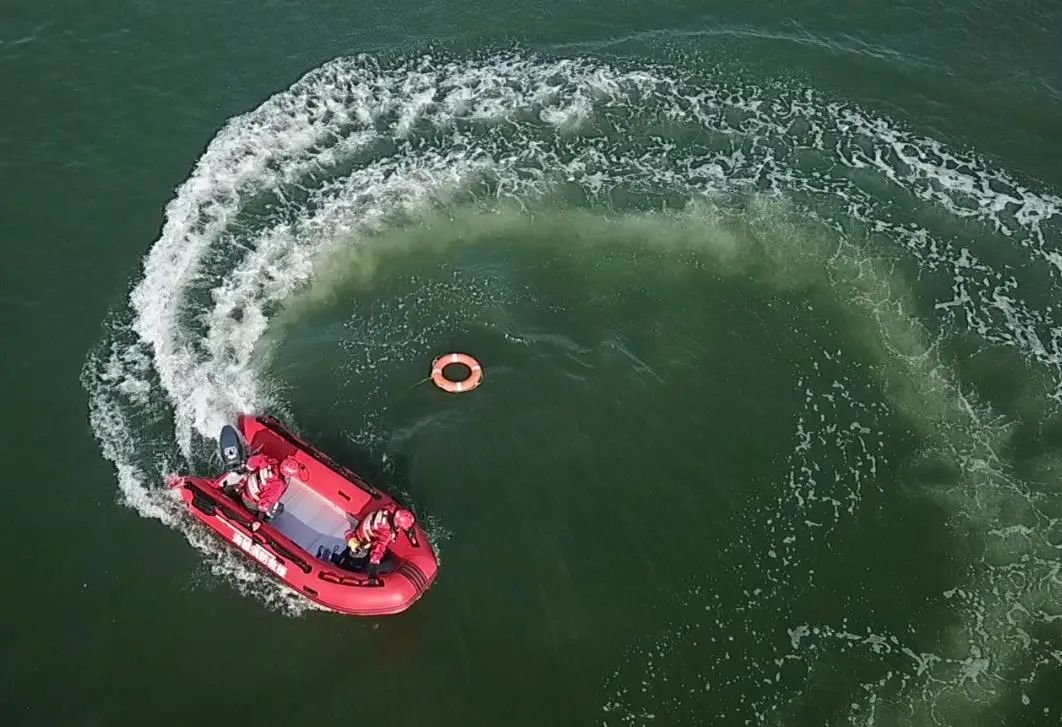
[{"x": 299, "y": 546}]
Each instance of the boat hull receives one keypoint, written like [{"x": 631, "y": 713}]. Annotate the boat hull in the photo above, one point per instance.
[{"x": 338, "y": 498}]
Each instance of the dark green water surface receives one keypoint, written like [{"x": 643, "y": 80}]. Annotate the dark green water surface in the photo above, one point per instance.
[{"x": 767, "y": 297}]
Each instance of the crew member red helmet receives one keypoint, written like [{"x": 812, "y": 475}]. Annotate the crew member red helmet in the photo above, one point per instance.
[
  {"x": 289, "y": 467},
  {"x": 404, "y": 519}
]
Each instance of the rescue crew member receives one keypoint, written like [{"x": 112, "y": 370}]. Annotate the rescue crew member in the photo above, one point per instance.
[
  {"x": 260, "y": 484},
  {"x": 375, "y": 533}
]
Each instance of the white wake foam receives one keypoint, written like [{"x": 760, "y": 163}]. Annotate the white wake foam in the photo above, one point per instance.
[{"x": 355, "y": 148}]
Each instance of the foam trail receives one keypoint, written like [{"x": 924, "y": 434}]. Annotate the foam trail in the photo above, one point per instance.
[
  {"x": 974, "y": 670},
  {"x": 356, "y": 149}
]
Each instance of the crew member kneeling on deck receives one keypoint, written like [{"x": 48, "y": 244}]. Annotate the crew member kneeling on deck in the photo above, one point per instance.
[{"x": 375, "y": 533}]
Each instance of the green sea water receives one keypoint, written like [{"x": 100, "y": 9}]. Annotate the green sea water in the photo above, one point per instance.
[{"x": 768, "y": 301}]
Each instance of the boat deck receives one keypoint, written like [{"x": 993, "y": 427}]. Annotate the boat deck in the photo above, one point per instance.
[{"x": 311, "y": 521}]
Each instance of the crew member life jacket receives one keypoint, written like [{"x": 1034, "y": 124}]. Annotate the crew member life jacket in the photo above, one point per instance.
[
  {"x": 263, "y": 487},
  {"x": 257, "y": 481},
  {"x": 374, "y": 533}
]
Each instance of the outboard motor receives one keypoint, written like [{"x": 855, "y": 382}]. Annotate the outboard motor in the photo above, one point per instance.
[{"x": 232, "y": 447}]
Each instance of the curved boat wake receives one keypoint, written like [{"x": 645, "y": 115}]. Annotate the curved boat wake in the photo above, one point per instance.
[{"x": 777, "y": 183}]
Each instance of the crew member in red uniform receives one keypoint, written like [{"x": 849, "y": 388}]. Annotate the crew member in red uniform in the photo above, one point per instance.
[
  {"x": 261, "y": 484},
  {"x": 375, "y": 533}
]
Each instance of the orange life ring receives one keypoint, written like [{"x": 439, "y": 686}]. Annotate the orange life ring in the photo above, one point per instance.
[{"x": 475, "y": 373}]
